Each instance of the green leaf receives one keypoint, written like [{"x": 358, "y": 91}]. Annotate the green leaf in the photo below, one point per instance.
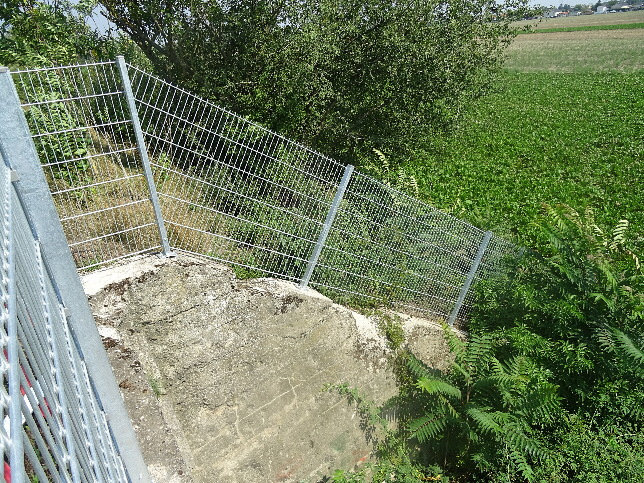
[
  {"x": 437, "y": 386},
  {"x": 628, "y": 348}
]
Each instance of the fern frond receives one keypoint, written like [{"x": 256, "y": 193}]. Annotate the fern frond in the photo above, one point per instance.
[
  {"x": 413, "y": 185},
  {"x": 502, "y": 375},
  {"x": 619, "y": 232},
  {"x": 479, "y": 350},
  {"x": 634, "y": 257},
  {"x": 450, "y": 410},
  {"x": 598, "y": 231},
  {"x": 459, "y": 370},
  {"x": 418, "y": 368},
  {"x": 606, "y": 269},
  {"x": 484, "y": 420},
  {"x": 541, "y": 403},
  {"x": 437, "y": 386},
  {"x": 383, "y": 160},
  {"x": 627, "y": 347},
  {"x": 456, "y": 345},
  {"x": 523, "y": 444},
  {"x": 604, "y": 338},
  {"x": 427, "y": 427},
  {"x": 486, "y": 386},
  {"x": 522, "y": 464}
]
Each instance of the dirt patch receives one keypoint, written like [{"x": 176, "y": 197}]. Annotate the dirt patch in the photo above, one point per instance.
[{"x": 224, "y": 378}]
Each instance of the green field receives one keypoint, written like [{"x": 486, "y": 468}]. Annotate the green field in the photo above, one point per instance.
[
  {"x": 584, "y": 20},
  {"x": 579, "y": 51},
  {"x": 583, "y": 28},
  {"x": 559, "y": 128}
]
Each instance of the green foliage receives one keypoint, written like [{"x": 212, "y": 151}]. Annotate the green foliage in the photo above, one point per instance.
[
  {"x": 391, "y": 327},
  {"x": 395, "y": 177},
  {"x": 342, "y": 476},
  {"x": 587, "y": 454},
  {"x": 622, "y": 26},
  {"x": 245, "y": 273},
  {"x": 581, "y": 301},
  {"x": 542, "y": 137},
  {"x": 70, "y": 142},
  {"x": 157, "y": 387},
  {"x": 42, "y": 34},
  {"x": 394, "y": 461},
  {"x": 342, "y": 76},
  {"x": 484, "y": 412},
  {"x": 549, "y": 385},
  {"x": 576, "y": 307}
]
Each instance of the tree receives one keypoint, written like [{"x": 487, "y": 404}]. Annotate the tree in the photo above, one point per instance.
[
  {"x": 40, "y": 33},
  {"x": 37, "y": 33},
  {"x": 344, "y": 76}
]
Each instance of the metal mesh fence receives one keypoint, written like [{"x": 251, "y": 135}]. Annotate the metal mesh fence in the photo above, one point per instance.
[
  {"x": 389, "y": 246},
  {"x": 234, "y": 191},
  {"x": 84, "y": 137},
  {"x": 54, "y": 428},
  {"x": 231, "y": 189},
  {"x": 237, "y": 192}
]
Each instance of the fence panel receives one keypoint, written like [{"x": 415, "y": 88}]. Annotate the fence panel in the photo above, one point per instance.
[
  {"x": 58, "y": 431},
  {"x": 83, "y": 132},
  {"x": 237, "y": 192},
  {"x": 234, "y": 191},
  {"x": 389, "y": 246},
  {"x": 230, "y": 189}
]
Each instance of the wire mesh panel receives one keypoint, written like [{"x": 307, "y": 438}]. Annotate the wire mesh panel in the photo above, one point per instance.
[
  {"x": 493, "y": 263},
  {"x": 84, "y": 137},
  {"x": 389, "y": 246},
  {"x": 231, "y": 189},
  {"x": 63, "y": 430},
  {"x": 5, "y": 288},
  {"x": 234, "y": 191}
]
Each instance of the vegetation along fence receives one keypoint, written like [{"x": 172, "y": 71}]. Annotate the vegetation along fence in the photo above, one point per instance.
[
  {"x": 138, "y": 165},
  {"x": 62, "y": 415}
]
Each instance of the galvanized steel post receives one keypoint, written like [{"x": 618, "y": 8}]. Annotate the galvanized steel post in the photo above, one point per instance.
[
  {"x": 20, "y": 152},
  {"x": 470, "y": 277},
  {"x": 339, "y": 194},
  {"x": 140, "y": 142}
]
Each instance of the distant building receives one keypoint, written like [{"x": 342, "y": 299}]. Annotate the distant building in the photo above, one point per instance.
[
  {"x": 602, "y": 9},
  {"x": 556, "y": 13}
]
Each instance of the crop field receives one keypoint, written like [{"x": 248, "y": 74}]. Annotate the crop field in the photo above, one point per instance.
[
  {"x": 578, "y": 51},
  {"x": 564, "y": 125},
  {"x": 584, "y": 20}
]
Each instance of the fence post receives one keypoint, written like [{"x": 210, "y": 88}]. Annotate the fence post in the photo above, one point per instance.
[
  {"x": 339, "y": 194},
  {"x": 140, "y": 142},
  {"x": 35, "y": 196},
  {"x": 470, "y": 277}
]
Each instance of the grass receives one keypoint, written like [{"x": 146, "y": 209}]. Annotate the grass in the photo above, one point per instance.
[
  {"x": 558, "y": 129},
  {"x": 583, "y": 28},
  {"x": 580, "y": 51},
  {"x": 584, "y": 20}
]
